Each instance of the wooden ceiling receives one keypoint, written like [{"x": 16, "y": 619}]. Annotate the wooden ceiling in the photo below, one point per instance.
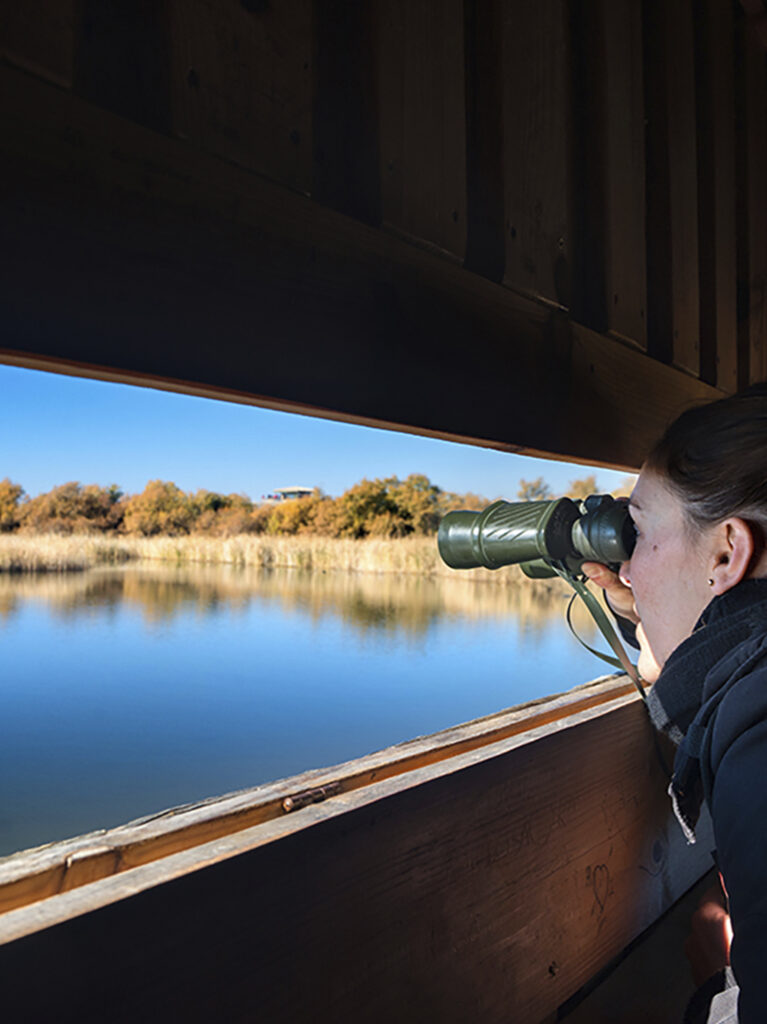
[{"x": 539, "y": 226}]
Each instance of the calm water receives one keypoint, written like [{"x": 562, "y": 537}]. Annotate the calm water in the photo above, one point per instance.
[{"x": 127, "y": 691}]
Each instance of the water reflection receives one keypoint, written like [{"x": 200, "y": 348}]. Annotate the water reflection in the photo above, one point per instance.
[
  {"x": 126, "y": 691},
  {"x": 385, "y": 603}
]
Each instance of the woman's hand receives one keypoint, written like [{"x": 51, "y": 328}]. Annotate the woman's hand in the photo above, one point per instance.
[
  {"x": 619, "y": 596},
  {"x": 708, "y": 944},
  {"x": 621, "y": 599}
]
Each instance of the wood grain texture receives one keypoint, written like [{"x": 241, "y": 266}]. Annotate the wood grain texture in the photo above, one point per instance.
[
  {"x": 715, "y": 90},
  {"x": 241, "y": 78},
  {"x": 654, "y": 982},
  {"x": 207, "y": 278},
  {"x": 39, "y": 35},
  {"x": 536, "y": 154},
  {"x": 422, "y": 120},
  {"x": 624, "y": 146},
  {"x": 673, "y": 309},
  {"x": 503, "y": 878}
]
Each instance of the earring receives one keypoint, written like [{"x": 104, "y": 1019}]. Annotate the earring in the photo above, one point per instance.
[{"x": 710, "y": 582}]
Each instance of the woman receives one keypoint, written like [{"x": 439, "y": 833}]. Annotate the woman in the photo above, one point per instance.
[{"x": 695, "y": 590}]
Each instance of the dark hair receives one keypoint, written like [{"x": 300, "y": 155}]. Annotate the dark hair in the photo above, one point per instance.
[{"x": 714, "y": 458}]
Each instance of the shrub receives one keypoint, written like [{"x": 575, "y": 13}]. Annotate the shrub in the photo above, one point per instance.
[
  {"x": 72, "y": 508},
  {"x": 10, "y": 498}
]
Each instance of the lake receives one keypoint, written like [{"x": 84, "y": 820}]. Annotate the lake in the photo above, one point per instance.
[{"x": 126, "y": 691}]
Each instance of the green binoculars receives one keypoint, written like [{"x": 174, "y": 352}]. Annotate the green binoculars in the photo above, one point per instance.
[{"x": 544, "y": 538}]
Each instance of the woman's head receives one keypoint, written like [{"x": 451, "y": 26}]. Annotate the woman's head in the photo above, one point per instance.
[
  {"x": 700, "y": 508},
  {"x": 714, "y": 458}
]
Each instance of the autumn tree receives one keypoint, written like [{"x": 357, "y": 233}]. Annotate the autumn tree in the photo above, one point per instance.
[
  {"x": 161, "y": 507},
  {"x": 450, "y": 502},
  {"x": 10, "y": 497},
  {"x": 296, "y": 515},
  {"x": 534, "y": 490},
  {"x": 73, "y": 508},
  {"x": 583, "y": 487},
  {"x": 366, "y": 508},
  {"x": 387, "y": 507},
  {"x": 417, "y": 501},
  {"x": 223, "y": 515}
]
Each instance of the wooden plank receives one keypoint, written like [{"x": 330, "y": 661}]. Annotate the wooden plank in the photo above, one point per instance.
[
  {"x": 209, "y": 279},
  {"x": 588, "y": 164},
  {"x": 673, "y": 313},
  {"x": 716, "y": 184},
  {"x": 751, "y": 84},
  {"x": 485, "y": 133},
  {"x": 241, "y": 78},
  {"x": 346, "y": 164},
  {"x": 33, "y": 875},
  {"x": 39, "y": 35},
  {"x": 756, "y": 64},
  {"x": 624, "y": 134},
  {"x": 683, "y": 188},
  {"x": 500, "y": 878},
  {"x": 536, "y": 161},
  {"x": 421, "y": 109},
  {"x": 122, "y": 60}
]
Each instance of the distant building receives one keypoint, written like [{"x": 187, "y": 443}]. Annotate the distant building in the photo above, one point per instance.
[{"x": 286, "y": 493}]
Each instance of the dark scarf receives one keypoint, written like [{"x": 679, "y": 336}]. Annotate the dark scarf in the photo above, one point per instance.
[{"x": 696, "y": 676}]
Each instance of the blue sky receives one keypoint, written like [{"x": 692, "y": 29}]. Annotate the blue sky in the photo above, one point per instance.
[{"x": 56, "y": 428}]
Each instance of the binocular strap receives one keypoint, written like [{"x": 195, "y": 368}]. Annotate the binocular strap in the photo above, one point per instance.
[{"x": 605, "y": 627}]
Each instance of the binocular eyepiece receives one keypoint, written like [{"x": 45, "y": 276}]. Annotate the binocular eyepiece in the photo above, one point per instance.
[{"x": 539, "y": 535}]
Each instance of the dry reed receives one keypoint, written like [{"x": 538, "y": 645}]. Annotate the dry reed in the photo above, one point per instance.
[
  {"x": 408, "y": 555},
  {"x": 56, "y": 553}
]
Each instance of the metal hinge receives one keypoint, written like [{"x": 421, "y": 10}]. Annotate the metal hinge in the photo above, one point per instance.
[{"x": 310, "y": 796}]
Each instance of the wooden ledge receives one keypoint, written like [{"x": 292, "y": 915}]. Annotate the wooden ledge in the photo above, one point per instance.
[
  {"x": 286, "y": 805},
  {"x": 498, "y": 865}
]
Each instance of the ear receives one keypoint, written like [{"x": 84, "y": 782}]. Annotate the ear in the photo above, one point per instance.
[{"x": 732, "y": 555}]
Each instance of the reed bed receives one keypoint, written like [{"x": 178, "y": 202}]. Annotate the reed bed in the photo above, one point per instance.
[
  {"x": 408, "y": 555},
  {"x": 56, "y": 553}
]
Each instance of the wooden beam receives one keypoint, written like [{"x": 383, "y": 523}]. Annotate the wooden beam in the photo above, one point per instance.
[
  {"x": 673, "y": 307},
  {"x": 756, "y": 63},
  {"x": 347, "y": 173},
  {"x": 715, "y": 95},
  {"x": 485, "y": 110},
  {"x": 751, "y": 149},
  {"x": 536, "y": 115},
  {"x": 421, "y": 111},
  {"x": 624, "y": 149},
  {"x": 500, "y": 878},
  {"x": 161, "y": 264},
  {"x": 587, "y": 159}
]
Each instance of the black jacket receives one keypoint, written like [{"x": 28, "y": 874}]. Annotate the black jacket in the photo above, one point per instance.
[{"x": 711, "y": 697}]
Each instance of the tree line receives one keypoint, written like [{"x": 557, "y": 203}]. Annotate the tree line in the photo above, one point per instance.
[{"x": 387, "y": 507}]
